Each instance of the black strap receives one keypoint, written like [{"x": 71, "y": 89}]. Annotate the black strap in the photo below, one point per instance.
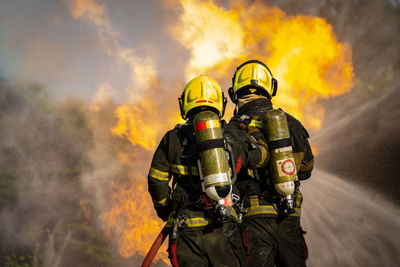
[
  {"x": 279, "y": 143},
  {"x": 233, "y": 164},
  {"x": 210, "y": 144}
]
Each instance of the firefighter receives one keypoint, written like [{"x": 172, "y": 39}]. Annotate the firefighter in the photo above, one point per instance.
[
  {"x": 201, "y": 233},
  {"x": 271, "y": 234}
]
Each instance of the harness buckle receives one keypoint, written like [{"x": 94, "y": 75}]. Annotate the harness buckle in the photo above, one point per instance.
[{"x": 235, "y": 199}]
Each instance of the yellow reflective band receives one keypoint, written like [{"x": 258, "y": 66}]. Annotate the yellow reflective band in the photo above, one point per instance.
[
  {"x": 159, "y": 175},
  {"x": 170, "y": 220},
  {"x": 297, "y": 212},
  {"x": 250, "y": 173},
  {"x": 183, "y": 170},
  {"x": 254, "y": 201},
  {"x": 198, "y": 222},
  {"x": 234, "y": 214},
  {"x": 212, "y": 124},
  {"x": 308, "y": 166},
  {"x": 191, "y": 222},
  {"x": 298, "y": 157},
  {"x": 255, "y": 123},
  {"x": 254, "y": 210},
  {"x": 267, "y": 209},
  {"x": 231, "y": 172},
  {"x": 162, "y": 202},
  {"x": 299, "y": 199},
  {"x": 264, "y": 154}
]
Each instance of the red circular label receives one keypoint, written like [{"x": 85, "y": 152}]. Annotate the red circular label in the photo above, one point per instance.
[{"x": 288, "y": 167}]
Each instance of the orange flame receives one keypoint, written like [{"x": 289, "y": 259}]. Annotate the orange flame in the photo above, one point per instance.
[
  {"x": 131, "y": 219},
  {"x": 143, "y": 122}
]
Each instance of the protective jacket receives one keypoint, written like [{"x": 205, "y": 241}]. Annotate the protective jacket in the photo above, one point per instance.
[
  {"x": 256, "y": 188},
  {"x": 270, "y": 238}
]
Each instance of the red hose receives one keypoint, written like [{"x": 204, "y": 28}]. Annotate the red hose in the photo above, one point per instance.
[{"x": 155, "y": 247}]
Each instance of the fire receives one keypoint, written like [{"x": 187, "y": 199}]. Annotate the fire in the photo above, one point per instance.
[
  {"x": 301, "y": 51},
  {"x": 132, "y": 220},
  {"x": 143, "y": 122},
  {"x": 211, "y": 33},
  {"x": 133, "y": 124}
]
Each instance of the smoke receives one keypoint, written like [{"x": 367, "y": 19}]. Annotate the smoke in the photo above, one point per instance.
[
  {"x": 34, "y": 151},
  {"x": 56, "y": 162}
]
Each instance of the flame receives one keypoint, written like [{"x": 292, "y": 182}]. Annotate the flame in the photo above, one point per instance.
[
  {"x": 134, "y": 124},
  {"x": 132, "y": 220},
  {"x": 301, "y": 51},
  {"x": 142, "y": 122},
  {"x": 211, "y": 33}
]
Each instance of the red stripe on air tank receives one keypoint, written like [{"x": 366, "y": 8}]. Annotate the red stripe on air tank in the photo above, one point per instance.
[{"x": 200, "y": 126}]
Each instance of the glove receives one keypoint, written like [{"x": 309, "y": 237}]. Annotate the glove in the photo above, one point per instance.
[{"x": 163, "y": 212}]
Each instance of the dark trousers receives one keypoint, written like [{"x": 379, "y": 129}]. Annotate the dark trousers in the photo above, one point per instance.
[
  {"x": 216, "y": 246},
  {"x": 269, "y": 241}
]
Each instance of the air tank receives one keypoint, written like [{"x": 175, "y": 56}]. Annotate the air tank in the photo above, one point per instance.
[
  {"x": 282, "y": 163},
  {"x": 214, "y": 167}
]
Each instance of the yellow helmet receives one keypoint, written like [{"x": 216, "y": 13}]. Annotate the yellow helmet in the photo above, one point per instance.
[
  {"x": 252, "y": 77},
  {"x": 202, "y": 92}
]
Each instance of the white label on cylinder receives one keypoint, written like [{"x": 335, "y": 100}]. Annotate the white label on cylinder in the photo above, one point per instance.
[
  {"x": 285, "y": 149},
  {"x": 216, "y": 178}
]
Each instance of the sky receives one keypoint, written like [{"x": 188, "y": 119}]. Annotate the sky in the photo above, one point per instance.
[{"x": 42, "y": 42}]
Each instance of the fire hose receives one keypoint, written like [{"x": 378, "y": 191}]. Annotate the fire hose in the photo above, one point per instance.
[{"x": 155, "y": 247}]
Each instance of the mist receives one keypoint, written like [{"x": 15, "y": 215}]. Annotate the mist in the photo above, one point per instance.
[{"x": 348, "y": 224}]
